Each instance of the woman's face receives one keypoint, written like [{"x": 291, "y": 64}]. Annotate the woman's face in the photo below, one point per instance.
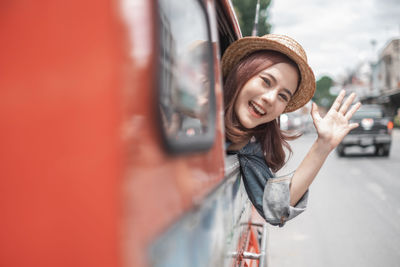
[{"x": 264, "y": 97}]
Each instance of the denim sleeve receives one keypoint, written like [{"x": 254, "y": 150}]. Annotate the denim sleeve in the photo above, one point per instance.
[
  {"x": 270, "y": 195},
  {"x": 276, "y": 201}
]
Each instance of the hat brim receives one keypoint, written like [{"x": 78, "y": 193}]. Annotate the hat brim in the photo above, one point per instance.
[{"x": 247, "y": 45}]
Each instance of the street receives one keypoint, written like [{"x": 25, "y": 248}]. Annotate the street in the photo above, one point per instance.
[{"x": 353, "y": 214}]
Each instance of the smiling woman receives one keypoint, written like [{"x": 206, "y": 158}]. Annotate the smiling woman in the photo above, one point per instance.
[
  {"x": 263, "y": 78},
  {"x": 268, "y": 81}
]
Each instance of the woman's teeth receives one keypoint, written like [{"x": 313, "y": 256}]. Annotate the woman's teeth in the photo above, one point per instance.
[{"x": 257, "y": 109}]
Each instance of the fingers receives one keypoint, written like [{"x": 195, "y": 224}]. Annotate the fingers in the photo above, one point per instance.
[
  {"x": 338, "y": 101},
  {"x": 352, "y": 110},
  {"x": 314, "y": 112},
  {"x": 344, "y": 108},
  {"x": 353, "y": 126},
  {"x": 347, "y": 103}
]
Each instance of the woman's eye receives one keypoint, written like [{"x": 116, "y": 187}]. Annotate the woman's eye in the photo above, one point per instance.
[
  {"x": 267, "y": 81},
  {"x": 284, "y": 97}
]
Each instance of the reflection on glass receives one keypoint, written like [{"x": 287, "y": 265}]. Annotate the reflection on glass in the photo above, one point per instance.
[{"x": 186, "y": 67}]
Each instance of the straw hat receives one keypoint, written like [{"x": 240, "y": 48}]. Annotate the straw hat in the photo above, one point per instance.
[{"x": 281, "y": 43}]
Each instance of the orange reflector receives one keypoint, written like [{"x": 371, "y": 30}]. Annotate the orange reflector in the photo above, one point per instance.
[{"x": 390, "y": 125}]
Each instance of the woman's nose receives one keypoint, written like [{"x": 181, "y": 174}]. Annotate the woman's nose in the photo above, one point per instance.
[{"x": 269, "y": 97}]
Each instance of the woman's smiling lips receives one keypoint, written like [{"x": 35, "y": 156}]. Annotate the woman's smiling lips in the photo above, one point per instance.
[{"x": 256, "y": 110}]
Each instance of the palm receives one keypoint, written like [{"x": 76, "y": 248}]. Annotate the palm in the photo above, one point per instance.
[{"x": 335, "y": 125}]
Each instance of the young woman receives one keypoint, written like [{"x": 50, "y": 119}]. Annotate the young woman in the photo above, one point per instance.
[{"x": 263, "y": 78}]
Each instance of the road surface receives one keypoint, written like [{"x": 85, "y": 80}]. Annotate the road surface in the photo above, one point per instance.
[{"x": 353, "y": 215}]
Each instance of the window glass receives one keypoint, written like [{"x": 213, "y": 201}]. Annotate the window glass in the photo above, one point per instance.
[{"x": 186, "y": 96}]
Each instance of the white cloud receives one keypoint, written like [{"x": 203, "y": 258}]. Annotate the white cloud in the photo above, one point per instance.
[{"x": 337, "y": 35}]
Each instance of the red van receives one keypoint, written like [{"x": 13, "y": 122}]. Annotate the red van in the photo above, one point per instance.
[{"x": 112, "y": 137}]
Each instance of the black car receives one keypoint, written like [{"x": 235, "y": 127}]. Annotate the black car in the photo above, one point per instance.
[{"x": 374, "y": 130}]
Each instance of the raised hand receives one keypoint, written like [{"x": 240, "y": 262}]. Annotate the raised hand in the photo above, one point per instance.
[{"x": 335, "y": 125}]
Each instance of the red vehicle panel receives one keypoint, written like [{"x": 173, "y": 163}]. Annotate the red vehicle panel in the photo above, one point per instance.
[{"x": 86, "y": 177}]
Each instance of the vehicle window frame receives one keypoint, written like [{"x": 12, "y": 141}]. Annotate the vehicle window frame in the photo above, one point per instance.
[{"x": 205, "y": 141}]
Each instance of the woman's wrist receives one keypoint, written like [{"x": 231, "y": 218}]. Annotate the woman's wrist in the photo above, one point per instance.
[{"x": 323, "y": 147}]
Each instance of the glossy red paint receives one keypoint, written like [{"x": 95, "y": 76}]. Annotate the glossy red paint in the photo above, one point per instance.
[
  {"x": 85, "y": 178},
  {"x": 234, "y": 23},
  {"x": 158, "y": 188},
  {"x": 60, "y": 114}
]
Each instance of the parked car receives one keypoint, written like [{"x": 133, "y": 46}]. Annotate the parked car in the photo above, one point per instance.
[{"x": 374, "y": 130}]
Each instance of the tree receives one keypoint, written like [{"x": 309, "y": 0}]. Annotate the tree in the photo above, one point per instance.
[
  {"x": 322, "y": 96},
  {"x": 246, "y": 10}
]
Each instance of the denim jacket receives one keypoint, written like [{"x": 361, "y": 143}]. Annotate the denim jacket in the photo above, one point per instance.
[{"x": 269, "y": 194}]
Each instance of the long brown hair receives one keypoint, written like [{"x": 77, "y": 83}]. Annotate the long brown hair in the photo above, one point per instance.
[{"x": 272, "y": 139}]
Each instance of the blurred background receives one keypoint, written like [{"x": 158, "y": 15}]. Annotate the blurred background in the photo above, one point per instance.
[{"x": 354, "y": 206}]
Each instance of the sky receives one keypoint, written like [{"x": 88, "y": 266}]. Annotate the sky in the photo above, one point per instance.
[{"x": 337, "y": 35}]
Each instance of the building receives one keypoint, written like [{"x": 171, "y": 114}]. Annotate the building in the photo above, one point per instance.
[{"x": 385, "y": 78}]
